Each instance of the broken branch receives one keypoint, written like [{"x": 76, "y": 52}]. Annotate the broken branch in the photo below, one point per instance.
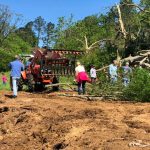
[{"x": 121, "y": 23}]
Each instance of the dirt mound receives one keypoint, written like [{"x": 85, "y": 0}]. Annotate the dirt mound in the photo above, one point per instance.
[{"x": 40, "y": 122}]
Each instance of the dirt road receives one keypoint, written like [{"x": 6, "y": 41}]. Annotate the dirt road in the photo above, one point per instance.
[{"x": 42, "y": 122}]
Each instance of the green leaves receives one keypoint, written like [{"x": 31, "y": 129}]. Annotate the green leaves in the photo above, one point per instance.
[
  {"x": 12, "y": 45},
  {"x": 26, "y": 33},
  {"x": 139, "y": 88},
  {"x": 49, "y": 37},
  {"x": 8, "y": 23},
  {"x": 39, "y": 26}
]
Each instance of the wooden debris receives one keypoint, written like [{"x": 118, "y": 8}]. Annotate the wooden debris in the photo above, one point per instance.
[
  {"x": 87, "y": 97},
  {"x": 115, "y": 139},
  {"x": 138, "y": 143},
  {"x": 61, "y": 84}
]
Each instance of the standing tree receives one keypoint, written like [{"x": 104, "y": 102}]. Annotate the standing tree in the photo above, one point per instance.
[
  {"x": 39, "y": 27},
  {"x": 8, "y": 23},
  {"x": 63, "y": 30},
  {"x": 50, "y": 34},
  {"x": 136, "y": 20},
  {"x": 27, "y": 34}
]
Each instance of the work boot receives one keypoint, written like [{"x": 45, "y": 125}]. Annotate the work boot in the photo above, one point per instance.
[
  {"x": 83, "y": 91},
  {"x": 14, "y": 96}
]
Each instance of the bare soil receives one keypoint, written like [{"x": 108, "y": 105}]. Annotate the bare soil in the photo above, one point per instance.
[{"x": 50, "y": 122}]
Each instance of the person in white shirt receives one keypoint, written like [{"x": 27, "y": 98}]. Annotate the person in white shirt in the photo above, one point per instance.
[
  {"x": 81, "y": 78},
  {"x": 93, "y": 74},
  {"x": 79, "y": 68}
]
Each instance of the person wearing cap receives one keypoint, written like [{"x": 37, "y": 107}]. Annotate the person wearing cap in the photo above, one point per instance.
[
  {"x": 16, "y": 67},
  {"x": 113, "y": 71},
  {"x": 81, "y": 77},
  {"x": 126, "y": 73},
  {"x": 93, "y": 74}
]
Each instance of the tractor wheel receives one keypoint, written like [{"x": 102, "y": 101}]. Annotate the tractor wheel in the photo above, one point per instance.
[
  {"x": 39, "y": 87},
  {"x": 20, "y": 84},
  {"x": 55, "y": 81},
  {"x": 30, "y": 82}
]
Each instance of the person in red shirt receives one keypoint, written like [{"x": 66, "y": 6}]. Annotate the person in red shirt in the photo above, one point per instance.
[{"x": 4, "y": 79}]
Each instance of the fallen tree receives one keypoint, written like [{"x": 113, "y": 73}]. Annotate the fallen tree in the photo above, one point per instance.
[{"x": 141, "y": 59}]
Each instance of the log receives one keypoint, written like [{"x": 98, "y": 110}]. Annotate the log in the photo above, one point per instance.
[
  {"x": 146, "y": 65},
  {"x": 146, "y": 54},
  {"x": 143, "y": 60},
  {"x": 102, "y": 68},
  {"x": 60, "y": 84},
  {"x": 86, "y": 97},
  {"x": 132, "y": 59},
  {"x": 57, "y": 84}
]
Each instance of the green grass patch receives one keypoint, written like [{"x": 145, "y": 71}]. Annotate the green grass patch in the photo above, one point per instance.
[{"x": 68, "y": 80}]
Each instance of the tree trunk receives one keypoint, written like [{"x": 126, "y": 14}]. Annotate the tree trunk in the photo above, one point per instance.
[{"x": 121, "y": 23}]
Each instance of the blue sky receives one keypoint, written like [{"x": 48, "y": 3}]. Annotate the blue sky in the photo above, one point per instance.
[{"x": 50, "y": 10}]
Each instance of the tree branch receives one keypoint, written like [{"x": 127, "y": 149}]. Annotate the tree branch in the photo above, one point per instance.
[
  {"x": 134, "y": 5},
  {"x": 80, "y": 41},
  {"x": 143, "y": 59},
  {"x": 121, "y": 23},
  {"x": 86, "y": 43},
  {"x": 93, "y": 45}
]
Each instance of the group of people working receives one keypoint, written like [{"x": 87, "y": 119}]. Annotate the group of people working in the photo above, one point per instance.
[
  {"x": 81, "y": 76},
  {"x": 126, "y": 72}
]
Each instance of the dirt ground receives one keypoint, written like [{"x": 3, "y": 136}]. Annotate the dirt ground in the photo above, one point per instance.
[{"x": 50, "y": 122}]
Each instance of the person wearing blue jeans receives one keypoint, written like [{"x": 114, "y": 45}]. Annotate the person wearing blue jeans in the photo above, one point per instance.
[
  {"x": 15, "y": 85},
  {"x": 16, "y": 68},
  {"x": 113, "y": 72},
  {"x": 126, "y": 74}
]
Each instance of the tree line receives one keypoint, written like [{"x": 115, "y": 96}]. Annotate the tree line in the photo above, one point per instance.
[{"x": 123, "y": 30}]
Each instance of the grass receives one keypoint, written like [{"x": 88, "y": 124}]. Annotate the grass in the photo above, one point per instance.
[
  {"x": 63, "y": 79},
  {"x": 68, "y": 79}
]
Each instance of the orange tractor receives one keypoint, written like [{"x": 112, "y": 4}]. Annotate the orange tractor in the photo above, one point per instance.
[{"x": 46, "y": 66}]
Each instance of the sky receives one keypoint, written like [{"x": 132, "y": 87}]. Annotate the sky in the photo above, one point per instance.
[{"x": 51, "y": 10}]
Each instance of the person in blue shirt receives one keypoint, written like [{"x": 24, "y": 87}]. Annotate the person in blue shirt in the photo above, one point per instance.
[
  {"x": 28, "y": 63},
  {"x": 16, "y": 67},
  {"x": 126, "y": 74},
  {"x": 113, "y": 72}
]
